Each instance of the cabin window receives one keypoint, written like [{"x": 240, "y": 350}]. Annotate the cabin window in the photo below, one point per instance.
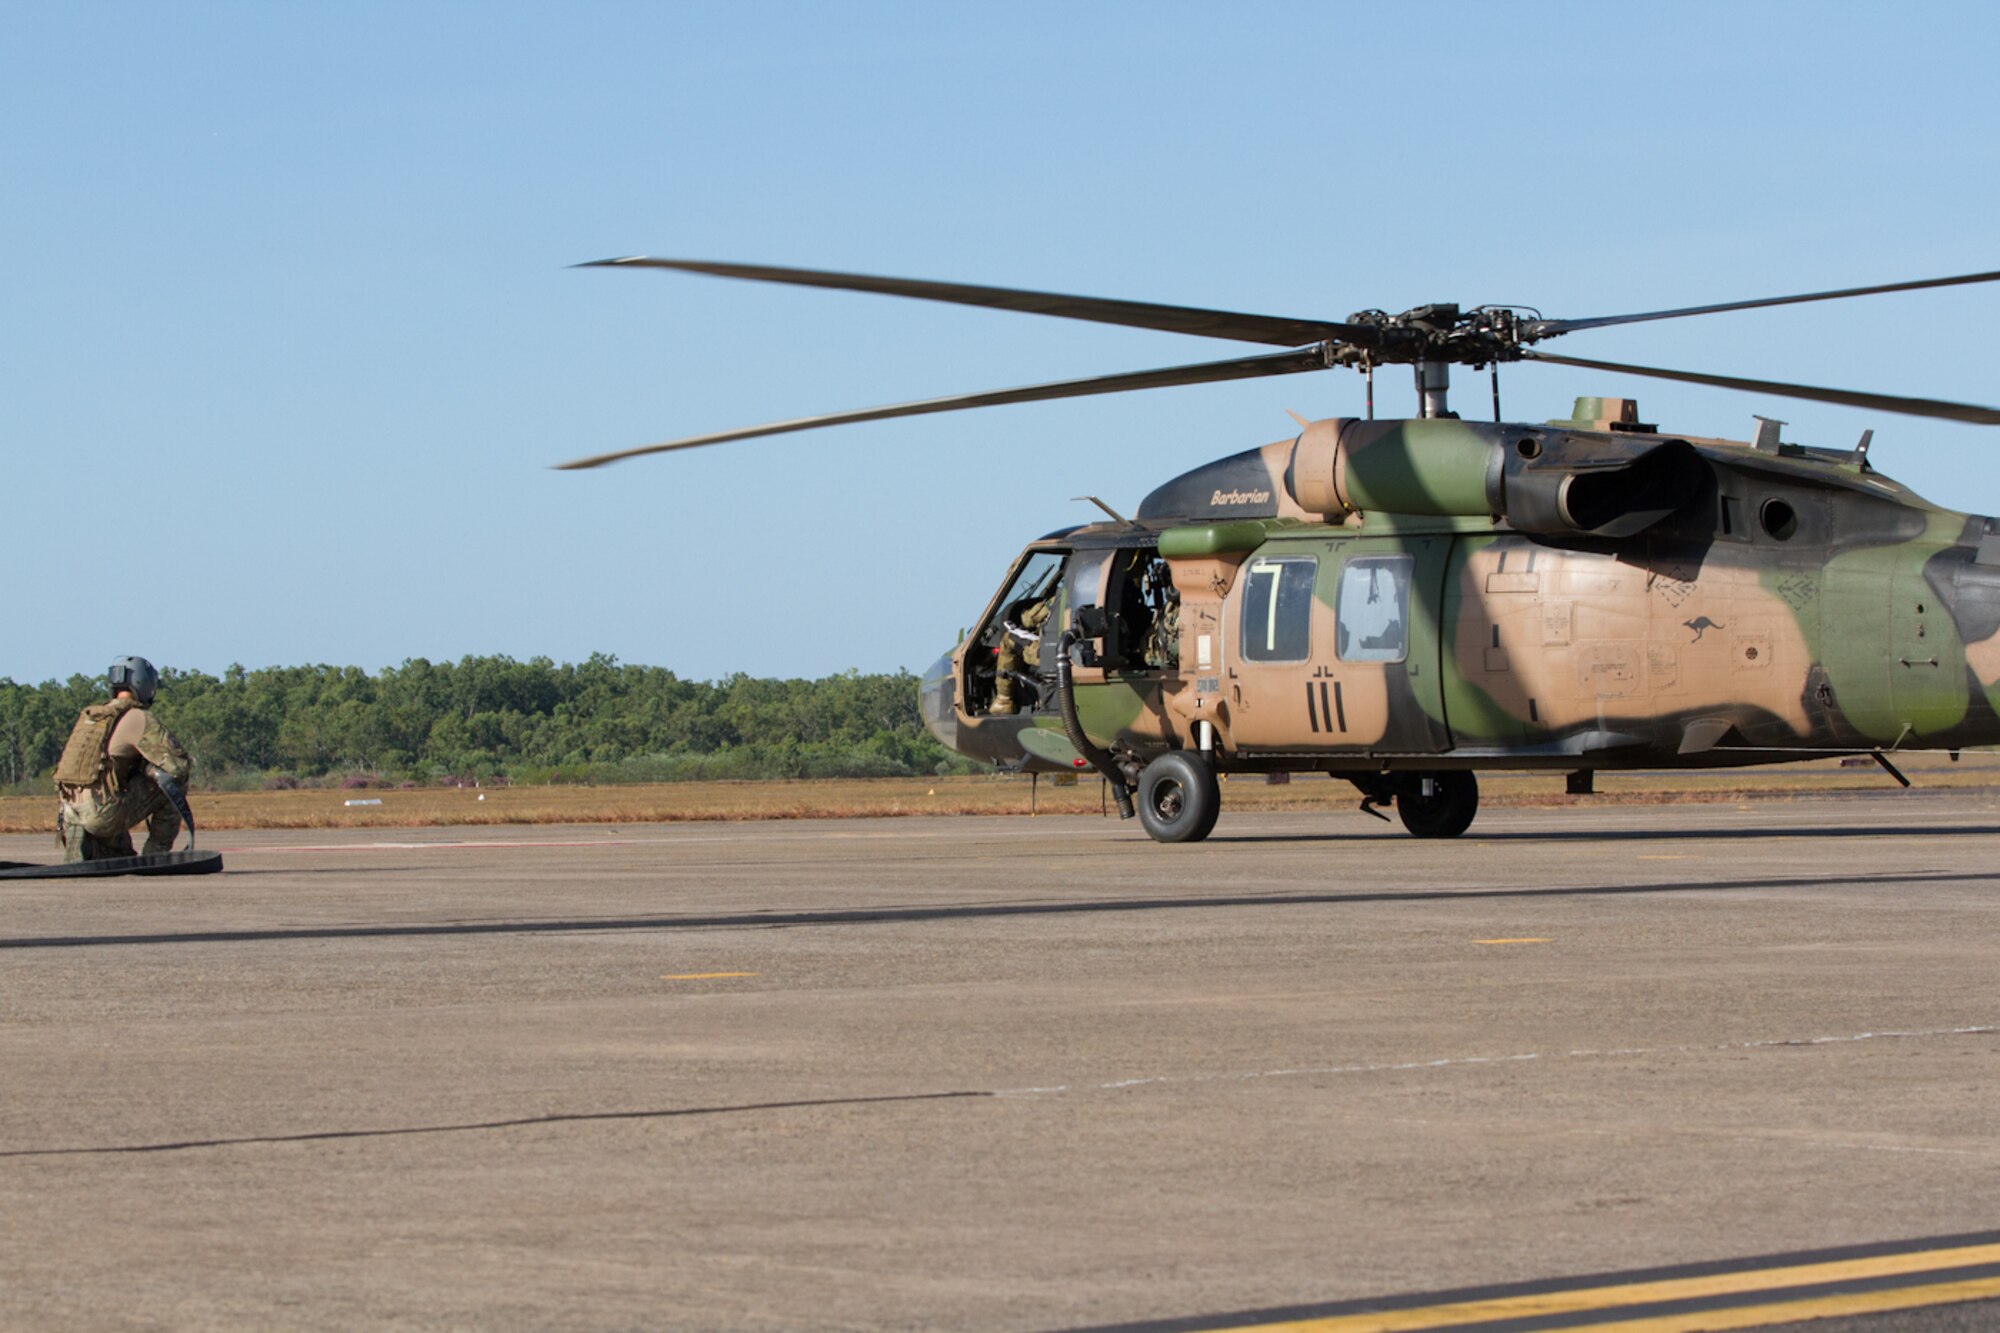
[
  {"x": 1277, "y": 609},
  {"x": 1374, "y": 608}
]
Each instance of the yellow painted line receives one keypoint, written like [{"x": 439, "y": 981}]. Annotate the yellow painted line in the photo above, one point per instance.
[
  {"x": 1673, "y": 857},
  {"x": 704, "y": 976},
  {"x": 1525, "y": 939},
  {"x": 1816, "y": 1307},
  {"x": 1749, "y": 1281}
]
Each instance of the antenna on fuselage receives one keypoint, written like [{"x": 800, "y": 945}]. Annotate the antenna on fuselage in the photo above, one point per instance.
[{"x": 1116, "y": 517}]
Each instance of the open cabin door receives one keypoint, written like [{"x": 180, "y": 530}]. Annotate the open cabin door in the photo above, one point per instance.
[{"x": 1333, "y": 648}]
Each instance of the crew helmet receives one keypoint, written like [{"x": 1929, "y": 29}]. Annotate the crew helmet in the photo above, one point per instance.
[{"x": 137, "y": 675}]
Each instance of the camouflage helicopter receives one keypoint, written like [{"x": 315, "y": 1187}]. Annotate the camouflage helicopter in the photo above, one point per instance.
[{"x": 1403, "y": 603}]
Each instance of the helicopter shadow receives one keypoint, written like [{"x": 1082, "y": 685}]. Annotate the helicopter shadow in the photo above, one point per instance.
[
  {"x": 907, "y": 915},
  {"x": 1639, "y": 835}
]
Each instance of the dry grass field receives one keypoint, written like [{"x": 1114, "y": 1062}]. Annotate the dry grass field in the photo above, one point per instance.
[{"x": 681, "y": 801}]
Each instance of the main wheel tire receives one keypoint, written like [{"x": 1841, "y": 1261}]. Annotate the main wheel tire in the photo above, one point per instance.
[
  {"x": 1447, "y": 811},
  {"x": 1179, "y": 798}
]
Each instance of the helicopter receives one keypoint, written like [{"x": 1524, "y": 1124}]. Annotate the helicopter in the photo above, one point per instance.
[{"x": 1407, "y": 603}]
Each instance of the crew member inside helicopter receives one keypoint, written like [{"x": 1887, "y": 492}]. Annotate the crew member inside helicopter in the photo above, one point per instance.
[
  {"x": 1020, "y": 646},
  {"x": 1011, "y": 641}
]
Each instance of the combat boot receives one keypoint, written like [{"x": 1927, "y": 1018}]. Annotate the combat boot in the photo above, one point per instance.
[
  {"x": 163, "y": 826},
  {"x": 104, "y": 849}
]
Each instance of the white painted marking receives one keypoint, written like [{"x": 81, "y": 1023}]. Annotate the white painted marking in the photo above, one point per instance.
[
  {"x": 494, "y": 845},
  {"x": 756, "y": 830},
  {"x": 1463, "y": 1061}
]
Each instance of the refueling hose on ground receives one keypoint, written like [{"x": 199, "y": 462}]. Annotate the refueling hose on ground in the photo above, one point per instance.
[{"x": 1121, "y": 791}]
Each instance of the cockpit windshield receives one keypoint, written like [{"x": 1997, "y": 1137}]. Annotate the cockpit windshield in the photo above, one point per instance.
[{"x": 1036, "y": 579}]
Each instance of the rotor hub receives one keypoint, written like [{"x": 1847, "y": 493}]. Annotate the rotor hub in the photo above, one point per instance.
[{"x": 1439, "y": 332}]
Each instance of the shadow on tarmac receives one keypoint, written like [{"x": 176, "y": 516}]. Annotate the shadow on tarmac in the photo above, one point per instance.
[
  {"x": 862, "y": 916},
  {"x": 1384, "y": 833}
]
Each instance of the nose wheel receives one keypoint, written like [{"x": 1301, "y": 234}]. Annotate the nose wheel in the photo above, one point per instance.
[{"x": 1179, "y": 798}]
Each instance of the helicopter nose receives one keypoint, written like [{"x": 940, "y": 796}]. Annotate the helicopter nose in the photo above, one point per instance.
[{"x": 937, "y": 701}]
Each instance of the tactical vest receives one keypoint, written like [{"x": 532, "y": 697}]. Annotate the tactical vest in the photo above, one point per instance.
[{"x": 87, "y": 757}]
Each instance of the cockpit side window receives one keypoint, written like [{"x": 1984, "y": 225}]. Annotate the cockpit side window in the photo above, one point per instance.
[{"x": 1277, "y": 608}]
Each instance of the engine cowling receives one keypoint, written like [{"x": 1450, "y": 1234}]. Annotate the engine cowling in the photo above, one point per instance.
[{"x": 1545, "y": 481}]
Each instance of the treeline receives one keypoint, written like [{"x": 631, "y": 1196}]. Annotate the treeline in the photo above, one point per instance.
[{"x": 493, "y": 718}]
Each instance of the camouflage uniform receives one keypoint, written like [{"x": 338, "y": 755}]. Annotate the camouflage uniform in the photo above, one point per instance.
[
  {"x": 1020, "y": 645},
  {"x": 107, "y": 789}
]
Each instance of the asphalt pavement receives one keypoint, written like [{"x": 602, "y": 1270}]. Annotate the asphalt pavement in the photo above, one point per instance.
[{"x": 993, "y": 1073}]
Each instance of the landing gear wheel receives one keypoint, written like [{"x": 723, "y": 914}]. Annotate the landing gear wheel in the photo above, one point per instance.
[
  {"x": 1447, "y": 811},
  {"x": 1179, "y": 798}
]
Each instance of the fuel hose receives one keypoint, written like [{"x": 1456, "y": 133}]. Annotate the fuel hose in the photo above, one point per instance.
[
  {"x": 178, "y": 798},
  {"x": 1121, "y": 791}
]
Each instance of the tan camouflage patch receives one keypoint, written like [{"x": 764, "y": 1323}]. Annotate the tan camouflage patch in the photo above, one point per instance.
[
  {"x": 1984, "y": 659},
  {"x": 1609, "y": 640}
]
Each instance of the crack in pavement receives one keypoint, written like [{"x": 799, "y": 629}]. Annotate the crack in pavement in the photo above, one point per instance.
[
  {"x": 519, "y": 1122},
  {"x": 1115, "y": 1085}
]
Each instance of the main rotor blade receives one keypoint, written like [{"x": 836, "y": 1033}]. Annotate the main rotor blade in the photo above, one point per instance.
[
  {"x": 1915, "y": 407},
  {"x": 1273, "y": 329},
  {"x": 1283, "y": 363},
  {"x": 1549, "y": 328}
]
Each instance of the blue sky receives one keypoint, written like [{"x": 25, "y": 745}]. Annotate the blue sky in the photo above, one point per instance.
[{"x": 288, "y": 338}]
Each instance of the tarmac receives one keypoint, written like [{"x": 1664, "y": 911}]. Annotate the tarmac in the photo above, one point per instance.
[{"x": 1008, "y": 1073}]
